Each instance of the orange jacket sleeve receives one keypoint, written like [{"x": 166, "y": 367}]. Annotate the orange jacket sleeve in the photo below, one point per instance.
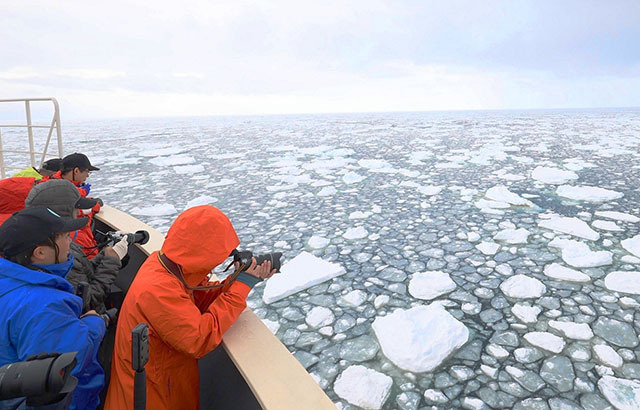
[
  {"x": 178, "y": 322},
  {"x": 203, "y": 298}
]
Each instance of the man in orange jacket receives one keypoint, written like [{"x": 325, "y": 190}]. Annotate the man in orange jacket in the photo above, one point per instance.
[{"x": 184, "y": 323}]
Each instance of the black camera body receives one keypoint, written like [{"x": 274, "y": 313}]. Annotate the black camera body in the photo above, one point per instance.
[
  {"x": 140, "y": 237},
  {"x": 244, "y": 258},
  {"x": 43, "y": 379}
]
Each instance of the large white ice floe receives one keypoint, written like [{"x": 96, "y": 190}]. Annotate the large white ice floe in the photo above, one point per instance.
[
  {"x": 501, "y": 193},
  {"x": 488, "y": 248},
  {"x": 319, "y": 316},
  {"x": 623, "y": 394},
  {"x": 512, "y": 236},
  {"x": 188, "y": 169},
  {"x": 579, "y": 255},
  {"x": 559, "y": 272},
  {"x": 526, "y": 314},
  {"x": 577, "y": 331},
  {"x": 588, "y": 193},
  {"x": 318, "y": 242},
  {"x": 155, "y": 210},
  {"x": 201, "y": 200},
  {"x": 546, "y": 341},
  {"x": 430, "y": 285},
  {"x": 553, "y": 176},
  {"x": 607, "y": 356},
  {"x": 352, "y": 178},
  {"x": 421, "y": 338},
  {"x": 301, "y": 272},
  {"x": 572, "y": 226},
  {"x": 606, "y": 226},
  {"x": 632, "y": 245},
  {"x": 623, "y": 281},
  {"x": 618, "y": 216},
  {"x": 363, "y": 387},
  {"x": 355, "y": 233},
  {"x": 523, "y": 287}
]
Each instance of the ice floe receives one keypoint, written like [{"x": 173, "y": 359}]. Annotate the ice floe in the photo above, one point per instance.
[
  {"x": 301, "y": 272},
  {"x": 606, "y": 226},
  {"x": 421, "y": 338},
  {"x": 523, "y": 287},
  {"x": 572, "y": 226},
  {"x": 363, "y": 387},
  {"x": 513, "y": 236},
  {"x": 172, "y": 160},
  {"x": 632, "y": 245},
  {"x": 488, "y": 248},
  {"x": 607, "y": 356},
  {"x": 618, "y": 216},
  {"x": 501, "y": 193},
  {"x": 188, "y": 169},
  {"x": 319, "y": 316},
  {"x": 579, "y": 255},
  {"x": 553, "y": 176},
  {"x": 559, "y": 272},
  {"x": 546, "y": 341},
  {"x": 577, "y": 331},
  {"x": 623, "y": 394},
  {"x": 352, "y": 178},
  {"x": 156, "y": 210},
  {"x": 623, "y": 281},
  {"x": 355, "y": 233},
  {"x": 201, "y": 200},
  {"x": 318, "y": 242},
  {"x": 588, "y": 193},
  {"x": 526, "y": 314},
  {"x": 430, "y": 285}
]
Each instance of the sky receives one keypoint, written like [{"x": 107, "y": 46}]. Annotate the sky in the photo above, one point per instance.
[{"x": 204, "y": 57}]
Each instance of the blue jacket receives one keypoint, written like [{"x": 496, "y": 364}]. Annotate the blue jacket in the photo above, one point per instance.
[{"x": 39, "y": 313}]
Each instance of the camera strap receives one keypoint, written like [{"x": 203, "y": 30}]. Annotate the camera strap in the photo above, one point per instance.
[{"x": 176, "y": 270}]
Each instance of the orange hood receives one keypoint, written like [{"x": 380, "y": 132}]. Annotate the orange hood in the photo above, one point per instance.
[{"x": 200, "y": 239}]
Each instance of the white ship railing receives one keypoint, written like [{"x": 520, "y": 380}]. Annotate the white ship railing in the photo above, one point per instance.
[{"x": 55, "y": 124}]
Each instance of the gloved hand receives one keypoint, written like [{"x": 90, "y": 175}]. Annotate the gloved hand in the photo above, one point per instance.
[
  {"x": 86, "y": 187},
  {"x": 121, "y": 247}
]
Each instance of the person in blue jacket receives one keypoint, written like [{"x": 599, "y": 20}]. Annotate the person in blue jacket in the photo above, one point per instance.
[{"x": 38, "y": 310}]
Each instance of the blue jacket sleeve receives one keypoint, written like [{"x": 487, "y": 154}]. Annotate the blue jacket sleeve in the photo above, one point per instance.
[{"x": 53, "y": 325}]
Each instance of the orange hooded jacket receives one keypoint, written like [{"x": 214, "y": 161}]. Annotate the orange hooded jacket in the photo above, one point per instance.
[{"x": 184, "y": 325}]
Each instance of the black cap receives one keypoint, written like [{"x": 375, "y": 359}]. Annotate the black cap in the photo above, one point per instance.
[
  {"x": 77, "y": 160},
  {"x": 31, "y": 227},
  {"x": 53, "y": 165},
  {"x": 85, "y": 203}
]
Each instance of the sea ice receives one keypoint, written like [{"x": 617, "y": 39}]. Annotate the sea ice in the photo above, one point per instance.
[
  {"x": 618, "y": 216},
  {"x": 354, "y": 298},
  {"x": 473, "y": 236},
  {"x": 271, "y": 325},
  {"x": 352, "y": 178},
  {"x": 374, "y": 164},
  {"x": 512, "y": 236},
  {"x": 522, "y": 287},
  {"x": 607, "y": 356},
  {"x": 430, "y": 285},
  {"x": 421, "y": 338},
  {"x": 577, "y": 331},
  {"x": 546, "y": 341},
  {"x": 319, "y": 316},
  {"x": 355, "y": 233},
  {"x": 488, "y": 248},
  {"x": 526, "y": 314},
  {"x": 572, "y": 226},
  {"x": 623, "y": 281},
  {"x": 222, "y": 182},
  {"x": 156, "y": 210},
  {"x": 484, "y": 203},
  {"x": 161, "y": 151},
  {"x": 606, "y": 226},
  {"x": 359, "y": 215},
  {"x": 632, "y": 245},
  {"x": 587, "y": 193},
  {"x": 363, "y": 387},
  {"x": 623, "y": 394},
  {"x": 318, "y": 242},
  {"x": 501, "y": 193},
  {"x": 327, "y": 191},
  {"x": 559, "y": 272},
  {"x": 301, "y": 272},
  {"x": 172, "y": 160},
  {"x": 553, "y": 176},
  {"x": 188, "y": 169},
  {"x": 201, "y": 200},
  {"x": 578, "y": 254}
]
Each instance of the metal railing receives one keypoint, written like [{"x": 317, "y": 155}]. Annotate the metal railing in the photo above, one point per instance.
[{"x": 55, "y": 124}]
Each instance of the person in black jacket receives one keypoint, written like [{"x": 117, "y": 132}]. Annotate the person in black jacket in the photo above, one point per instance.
[{"x": 98, "y": 273}]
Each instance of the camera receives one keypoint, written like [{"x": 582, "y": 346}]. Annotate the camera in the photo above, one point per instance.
[
  {"x": 140, "y": 237},
  {"x": 244, "y": 258},
  {"x": 43, "y": 379}
]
